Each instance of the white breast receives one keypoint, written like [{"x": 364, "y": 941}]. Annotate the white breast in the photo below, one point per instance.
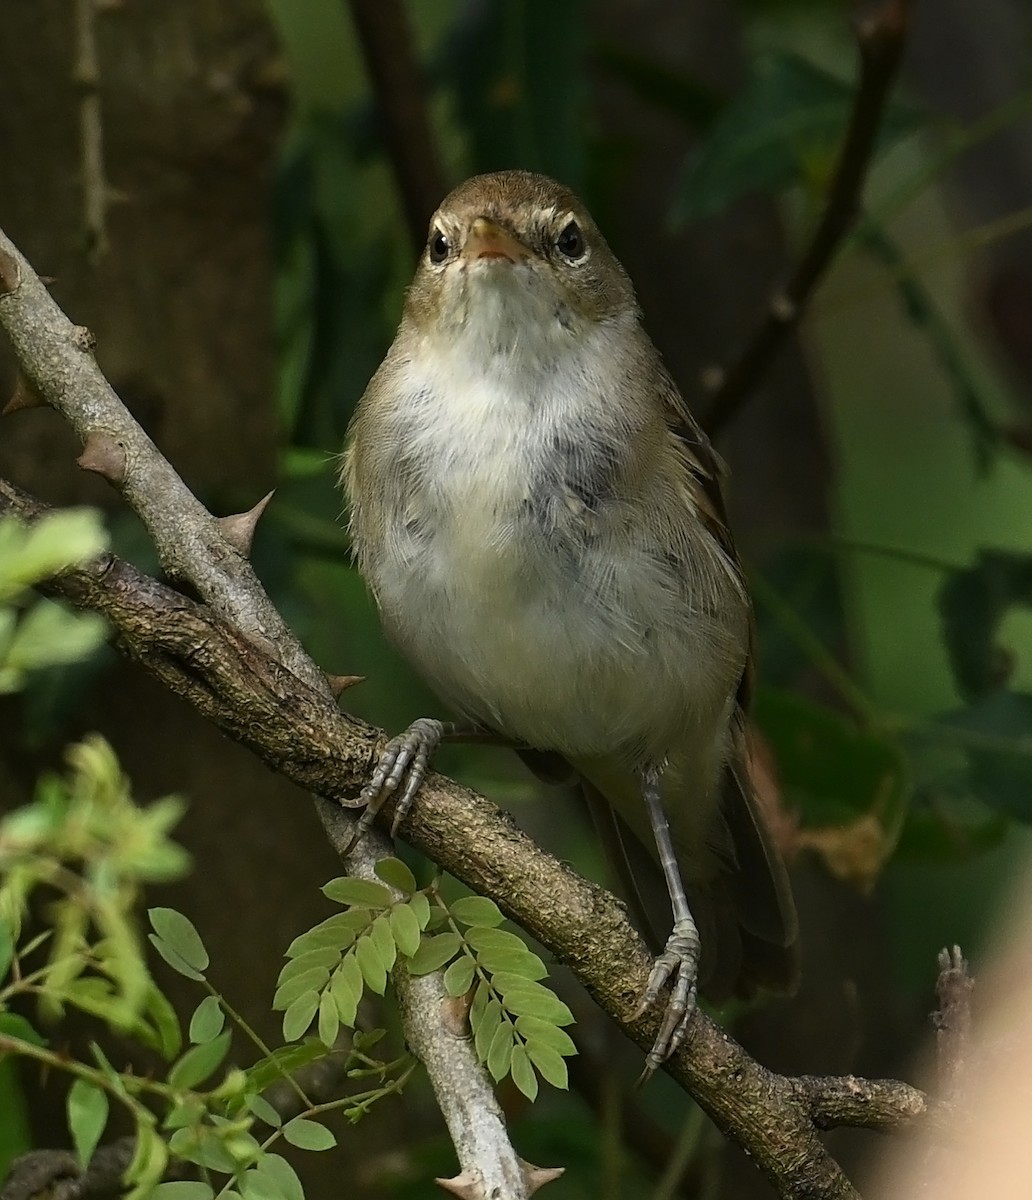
[{"x": 564, "y": 641}]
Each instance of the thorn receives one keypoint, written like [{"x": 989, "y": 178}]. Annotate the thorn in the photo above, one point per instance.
[
  {"x": 455, "y": 1014},
  {"x": 10, "y": 272},
  {"x": 239, "y": 528},
  {"x": 537, "y": 1177},
  {"x": 464, "y": 1186},
  {"x": 341, "y": 683},
  {"x": 104, "y": 456},
  {"x": 84, "y": 339},
  {"x": 23, "y": 396}
]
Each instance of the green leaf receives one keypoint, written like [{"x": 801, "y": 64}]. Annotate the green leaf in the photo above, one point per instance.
[
  {"x": 499, "y": 1054},
  {"x": 7, "y": 948},
  {"x": 204, "y": 1147},
  {"x": 48, "y": 635},
  {"x": 326, "y": 958},
  {"x": 308, "y": 1135},
  {"x": 264, "y": 1111},
  {"x": 299, "y": 1014},
  {"x": 336, "y": 933},
  {"x": 524, "y": 998},
  {"x": 371, "y": 965},
  {"x": 167, "y": 1037},
  {"x": 187, "y": 1112},
  {"x": 174, "y": 960},
  {"x": 383, "y": 940},
  {"x": 87, "y": 1117},
  {"x": 549, "y": 1063},
  {"x": 300, "y": 985},
  {"x": 283, "y": 1062},
  {"x": 329, "y": 1019},
  {"x": 476, "y": 910},
  {"x": 397, "y": 874},
  {"x": 207, "y": 1020},
  {"x": 405, "y": 928},
  {"x": 349, "y": 890},
  {"x": 199, "y": 1062},
  {"x": 148, "y": 1164},
  {"x": 513, "y": 962},
  {"x": 523, "y": 1073},
  {"x": 459, "y": 976},
  {"x": 484, "y": 938},
  {"x": 999, "y": 770},
  {"x": 178, "y": 932},
  {"x": 485, "y": 1026},
  {"x": 255, "y": 1186},
  {"x": 16, "y": 1026},
  {"x": 183, "y": 1189},
  {"x": 434, "y": 953},
  {"x": 282, "y": 1175},
  {"x": 346, "y": 987},
  {"x": 544, "y": 1033},
  {"x": 420, "y": 905}
]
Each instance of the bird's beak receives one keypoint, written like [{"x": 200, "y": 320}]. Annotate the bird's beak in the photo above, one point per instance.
[{"x": 488, "y": 240}]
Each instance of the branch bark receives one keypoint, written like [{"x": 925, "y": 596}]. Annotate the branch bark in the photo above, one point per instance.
[{"x": 250, "y": 678}]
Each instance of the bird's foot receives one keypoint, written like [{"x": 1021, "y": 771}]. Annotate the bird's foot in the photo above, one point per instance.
[
  {"x": 678, "y": 964},
  {"x": 405, "y": 760}
]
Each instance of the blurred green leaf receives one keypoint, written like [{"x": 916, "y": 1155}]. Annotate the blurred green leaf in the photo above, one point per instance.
[
  {"x": 999, "y": 750},
  {"x": 519, "y": 72},
  {"x": 785, "y": 128},
  {"x": 972, "y": 604},
  {"x": 87, "y": 1116},
  {"x": 283, "y": 1062},
  {"x": 675, "y": 91},
  {"x": 200, "y": 1062},
  {"x": 828, "y": 768}
]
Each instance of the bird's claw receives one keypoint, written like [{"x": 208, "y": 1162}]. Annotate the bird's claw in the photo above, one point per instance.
[
  {"x": 678, "y": 963},
  {"x": 404, "y": 760}
]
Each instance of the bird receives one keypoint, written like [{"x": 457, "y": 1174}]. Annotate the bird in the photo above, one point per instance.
[{"x": 540, "y": 521}]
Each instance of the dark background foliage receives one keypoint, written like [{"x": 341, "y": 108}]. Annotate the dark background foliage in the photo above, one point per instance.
[{"x": 257, "y": 247}]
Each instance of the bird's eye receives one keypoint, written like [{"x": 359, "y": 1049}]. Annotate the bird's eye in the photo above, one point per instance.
[
  {"x": 571, "y": 241},
  {"x": 439, "y": 247}
]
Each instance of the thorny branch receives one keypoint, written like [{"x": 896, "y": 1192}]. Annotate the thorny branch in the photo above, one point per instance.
[
  {"x": 249, "y": 686},
  {"x": 881, "y": 37},
  {"x": 56, "y": 360}
]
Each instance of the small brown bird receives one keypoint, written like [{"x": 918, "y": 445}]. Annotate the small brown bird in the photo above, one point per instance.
[{"x": 541, "y": 523}]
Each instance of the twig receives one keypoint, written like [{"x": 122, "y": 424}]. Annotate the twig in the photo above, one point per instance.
[
  {"x": 95, "y": 193},
  {"x": 57, "y": 360},
  {"x": 387, "y": 43},
  {"x": 952, "y": 1021},
  {"x": 880, "y": 37}
]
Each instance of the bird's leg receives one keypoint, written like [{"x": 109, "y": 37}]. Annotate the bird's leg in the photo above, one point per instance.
[
  {"x": 406, "y": 758},
  {"x": 679, "y": 961}
]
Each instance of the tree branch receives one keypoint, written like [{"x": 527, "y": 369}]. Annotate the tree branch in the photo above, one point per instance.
[
  {"x": 387, "y": 45},
  {"x": 880, "y": 37},
  {"x": 57, "y": 361},
  {"x": 250, "y": 687}
]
